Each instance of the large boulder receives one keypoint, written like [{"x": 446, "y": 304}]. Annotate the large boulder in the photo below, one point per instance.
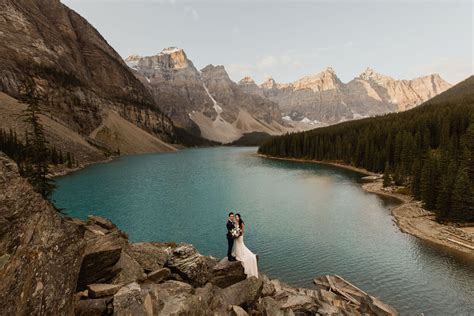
[
  {"x": 129, "y": 270},
  {"x": 40, "y": 252},
  {"x": 132, "y": 300},
  {"x": 150, "y": 255},
  {"x": 268, "y": 306},
  {"x": 244, "y": 294},
  {"x": 190, "y": 264},
  {"x": 226, "y": 273},
  {"x": 159, "y": 275},
  {"x": 101, "y": 255},
  {"x": 175, "y": 298},
  {"x": 94, "y": 307},
  {"x": 268, "y": 286},
  {"x": 301, "y": 304}
]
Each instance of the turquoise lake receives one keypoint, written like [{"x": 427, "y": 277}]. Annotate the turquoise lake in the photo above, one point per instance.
[{"x": 302, "y": 219}]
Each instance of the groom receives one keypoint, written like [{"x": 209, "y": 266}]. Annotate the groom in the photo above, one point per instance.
[{"x": 230, "y": 239}]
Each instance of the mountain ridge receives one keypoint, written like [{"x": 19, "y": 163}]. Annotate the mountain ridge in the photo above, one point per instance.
[
  {"x": 322, "y": 98},
  {"x": 206, "y": 102}
]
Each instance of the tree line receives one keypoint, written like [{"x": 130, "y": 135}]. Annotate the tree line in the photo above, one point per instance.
[{"x": 429, "y": 149}]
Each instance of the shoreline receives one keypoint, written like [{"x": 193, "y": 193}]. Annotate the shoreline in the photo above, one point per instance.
[
  {"x": 320, "y": 162},
  {"x": 410, "y": 216},
  {"x": 63, "y": 172}
]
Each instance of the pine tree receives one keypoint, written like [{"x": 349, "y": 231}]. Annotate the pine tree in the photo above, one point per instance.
[
  {"x": 69, "y": 160},
  {"x": 387, "y": 181},
  {"x": 463, "y": 197},
  {"x": 38, "y": 153}
]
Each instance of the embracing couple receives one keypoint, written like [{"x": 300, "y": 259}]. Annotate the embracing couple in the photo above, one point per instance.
[{"x": 237, "y": 249}]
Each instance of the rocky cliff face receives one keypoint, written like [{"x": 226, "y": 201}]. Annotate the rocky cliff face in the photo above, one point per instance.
[
  {"x": 55, "y": 56},
  {"x": 206, "y": 102},
  {"x": 40, "y": 253},
  {"x": 51, "y": 265},
  {"x": 322, "y": 99}
]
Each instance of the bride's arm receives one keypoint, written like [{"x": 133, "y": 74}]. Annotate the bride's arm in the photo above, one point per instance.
[{"x": 243, "y": 228}]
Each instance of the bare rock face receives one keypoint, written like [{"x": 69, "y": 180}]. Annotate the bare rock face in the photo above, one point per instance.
[
  {"x": 151, "y": 256},
  {"x": 191, "y": 265},
  {"x": 226, "y": 273},
  {"x": 206, "y": 102},
  {"x": 53, "y": 55},
  {"x": 245, "y": 293},
  {"x": 101, "y": 255},
  {"x": 322, "y": 99},
  {"x": 41, "y": 252}
]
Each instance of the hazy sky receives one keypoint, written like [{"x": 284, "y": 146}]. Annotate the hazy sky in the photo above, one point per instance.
[{"x": 289, "y": 39}]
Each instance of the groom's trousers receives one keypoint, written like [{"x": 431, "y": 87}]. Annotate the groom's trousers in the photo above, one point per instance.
[{"x": 230, "y": 242}]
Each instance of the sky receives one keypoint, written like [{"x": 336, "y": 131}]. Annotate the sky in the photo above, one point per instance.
[{"x": 287, "y": 40}]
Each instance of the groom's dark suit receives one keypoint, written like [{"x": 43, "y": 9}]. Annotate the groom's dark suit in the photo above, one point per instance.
[{"x": 230, "y": 240}]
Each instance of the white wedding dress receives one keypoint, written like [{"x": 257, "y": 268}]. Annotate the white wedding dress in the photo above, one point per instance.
[{"x": 244, "y": 255}]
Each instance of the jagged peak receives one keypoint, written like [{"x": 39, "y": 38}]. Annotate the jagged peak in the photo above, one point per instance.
[
  {"x": 329, "y": 70},
  {"x": 370, "y": 74},
  {"x": 215, "y": 72},
  {"x": 133, "y": 57},
  {"x": 171, "y": 50},
  {"x": 247, "y": 80},
  {"x": 269, "y": 83}
]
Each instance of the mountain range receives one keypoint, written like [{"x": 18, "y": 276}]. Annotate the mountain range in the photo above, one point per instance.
[
  {"x": 323, "y": 99},
  {"x": 207, "y": 101},
  {"x": 204, "y": 101},
  {"x": 94, "y": 103}
]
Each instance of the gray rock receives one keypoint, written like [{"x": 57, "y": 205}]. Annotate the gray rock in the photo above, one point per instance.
[
  {"x": 101, "y": 255},
  {"x": 244, "y": 294},
  {"x": 102, "y": 222},
  {"x": 267, "y": 306},
  {"x": 301, "y": 304},
  {"x": 327, "y": 309},
  {"x": 158, "y": 275},
  {"x": 268, "y": 286},
  {"x": 226, "y": 273},
  {"x": 239, "y": 311},
  {"x": 190, "y": 264},
  {"x": 99, "y": 290},
  {"x": 129, "y": 270},
  {"x": 41, "y": 251},
  {"x": 132, "y": 300},
  {"x": 175, "y": 298},
  {"x": 93, "y": 307},
  {"x": 151, "y": 256}
]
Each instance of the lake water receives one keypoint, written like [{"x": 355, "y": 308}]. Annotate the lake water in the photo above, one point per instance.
[{"x": 303, "y": 219}]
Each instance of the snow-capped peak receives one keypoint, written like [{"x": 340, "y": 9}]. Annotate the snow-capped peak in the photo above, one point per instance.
[{"x": 170, "y": 50}]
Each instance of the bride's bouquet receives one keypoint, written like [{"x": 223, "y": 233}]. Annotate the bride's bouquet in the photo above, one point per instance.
[{"x": 236, "y": 232}]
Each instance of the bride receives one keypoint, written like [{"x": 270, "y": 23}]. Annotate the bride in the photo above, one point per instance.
[{"x": 242, "y": 253}]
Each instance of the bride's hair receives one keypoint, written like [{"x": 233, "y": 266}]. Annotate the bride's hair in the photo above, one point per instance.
[{"x": 241, "y": 222}]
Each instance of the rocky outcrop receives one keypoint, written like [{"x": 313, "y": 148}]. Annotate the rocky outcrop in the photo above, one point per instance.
[
  {"x": 54, "y": 265},
  {"x": 40, "y": 252},
  {"x": 205, "y": 102},
  {"x": 322, "y": 99},
  {"x": 54, "y": 57}
]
